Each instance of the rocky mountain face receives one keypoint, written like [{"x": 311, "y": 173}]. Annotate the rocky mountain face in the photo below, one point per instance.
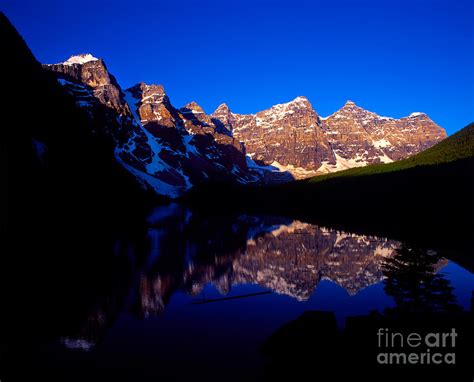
[
  {"x": 286, "y": 135},
  {"x": 294, "y": 138},
  {"x": 359, "y": 137},
  {"x": 169, "y": 150},
  {"x": 186, "y": 139},
  {"x": 95, "y": 90}
]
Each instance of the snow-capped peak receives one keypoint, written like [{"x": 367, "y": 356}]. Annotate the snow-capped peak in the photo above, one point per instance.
[
  {"x": 299, "y": 100},
  {"x": 416, "y": 114},
  {"x": 80, "y": 59},
  {"x": 222, "y": 106}
]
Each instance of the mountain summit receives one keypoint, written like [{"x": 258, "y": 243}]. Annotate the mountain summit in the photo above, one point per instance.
[
  {"x": 192, "y": 107},
  {"x": 80, "y": 59}
]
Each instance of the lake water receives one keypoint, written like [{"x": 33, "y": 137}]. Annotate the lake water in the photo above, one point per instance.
[{"x": 209, "y": 291}]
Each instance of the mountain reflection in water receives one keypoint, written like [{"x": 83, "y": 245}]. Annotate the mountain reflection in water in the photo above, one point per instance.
[
  {"x": 286, "y": 257},
  {"x": 193, "y": 285},
  {"x": 190, "y": 253}
]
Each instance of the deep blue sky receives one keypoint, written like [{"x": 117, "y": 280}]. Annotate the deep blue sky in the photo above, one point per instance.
[{"x": 391, "y": 57}]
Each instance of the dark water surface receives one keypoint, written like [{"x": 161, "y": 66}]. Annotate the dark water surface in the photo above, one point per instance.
[{"x": 209, "y": 292}]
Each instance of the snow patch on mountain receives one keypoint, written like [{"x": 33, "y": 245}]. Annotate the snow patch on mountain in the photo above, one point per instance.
[
  {"x": 279, "y": 111},
  {"x": 80, "y": 59},
  {"x": 147, "y": 180},
  {"x": 132, "y": 103},
  {"x": 157, "y": 165},
  {"x": 381, "y": 143},
  {"x": 297, "y": 172},
  {"x": 341, "y": 164}
]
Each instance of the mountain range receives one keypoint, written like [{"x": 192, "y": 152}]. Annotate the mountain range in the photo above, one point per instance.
[{"x": 169, "y": 150}]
